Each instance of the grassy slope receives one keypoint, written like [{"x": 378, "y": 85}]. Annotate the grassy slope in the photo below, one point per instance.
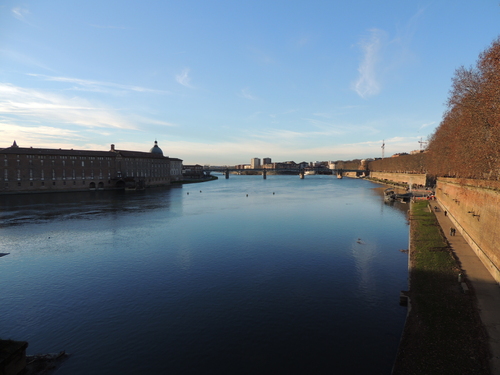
[{"x": 443, "y": 334}]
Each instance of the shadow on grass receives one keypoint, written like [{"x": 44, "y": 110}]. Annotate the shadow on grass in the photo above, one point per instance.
[{"x": 443, "y": 332}]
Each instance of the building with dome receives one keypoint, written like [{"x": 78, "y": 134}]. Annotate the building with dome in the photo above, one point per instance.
[{"x": 27, "y": 170}]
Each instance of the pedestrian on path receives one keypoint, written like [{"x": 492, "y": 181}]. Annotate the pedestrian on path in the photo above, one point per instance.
[{"x": 446, "y": 213}]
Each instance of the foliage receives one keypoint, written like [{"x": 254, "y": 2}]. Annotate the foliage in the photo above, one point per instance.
[
  {"x": 401, "y": 164},
  {"x": 466, "y": 143}
]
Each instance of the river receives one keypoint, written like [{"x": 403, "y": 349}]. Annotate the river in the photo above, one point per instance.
[{"x": 236, "y": 276}]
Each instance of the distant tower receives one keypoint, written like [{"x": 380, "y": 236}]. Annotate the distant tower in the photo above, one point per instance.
[{"x": 383, "y": 148}]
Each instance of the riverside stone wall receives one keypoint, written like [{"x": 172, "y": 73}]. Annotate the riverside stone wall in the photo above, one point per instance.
[
  {"x": 349, "y": 174},
  {"x": 474, "y": 208},
  {"x": 409, "y": 178}
]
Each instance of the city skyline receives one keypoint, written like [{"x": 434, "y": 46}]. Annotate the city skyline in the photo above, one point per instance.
[{"x": 214, "y": 82}]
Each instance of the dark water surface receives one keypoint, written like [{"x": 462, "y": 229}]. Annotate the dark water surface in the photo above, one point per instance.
[{"x": 303, "y": 281}]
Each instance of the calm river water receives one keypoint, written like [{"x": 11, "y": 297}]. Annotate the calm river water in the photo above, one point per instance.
[{"x": 298, "y": 277}]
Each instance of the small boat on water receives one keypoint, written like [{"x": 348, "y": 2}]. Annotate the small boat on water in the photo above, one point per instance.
[{"x": 390, "y": 196}]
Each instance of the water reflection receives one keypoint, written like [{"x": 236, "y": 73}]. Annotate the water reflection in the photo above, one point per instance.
[
  {"x": 211, "y": 282},
  {"x": 364, "y": 253},
  {"x": 39, "y": 208}
]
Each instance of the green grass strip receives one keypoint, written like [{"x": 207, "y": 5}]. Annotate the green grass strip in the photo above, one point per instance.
[{"x": 443, "y": 333}]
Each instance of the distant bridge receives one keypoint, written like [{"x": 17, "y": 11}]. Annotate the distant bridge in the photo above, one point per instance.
[{"x": 302, "y": 172}]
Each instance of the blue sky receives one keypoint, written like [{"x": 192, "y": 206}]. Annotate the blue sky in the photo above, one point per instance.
[{"x": 220, "y": 82}]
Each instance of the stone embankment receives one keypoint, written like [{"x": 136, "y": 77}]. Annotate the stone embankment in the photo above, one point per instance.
[
  {"x": 472, "y": 209},
  {"x": 405, "y": 178},
  {"x": 473, "y": 206}
]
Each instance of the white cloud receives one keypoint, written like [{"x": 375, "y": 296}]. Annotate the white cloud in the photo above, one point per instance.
[
  {"x": 394, "y": 52},
  {"x": 38, "y": 136},
  {"x": 368, "y": 83},
  {"x": 184, "y": 78},
  {"x": 36, "y": 106},
  {"x": 278, "y": 135},
  {"x": 24, "y": 59},
  {"x": 150, "y": 121},
  {"x": 20, "y": 13},
  {"x": 427, "y": 124},
  {"x": 284, "y": 148},
  {"x": 245, "y": 93},
  {"x": 98, "y": 86}
]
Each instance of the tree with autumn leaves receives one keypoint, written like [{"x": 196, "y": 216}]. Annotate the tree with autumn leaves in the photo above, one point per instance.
[{"x": 467, "y": 142}]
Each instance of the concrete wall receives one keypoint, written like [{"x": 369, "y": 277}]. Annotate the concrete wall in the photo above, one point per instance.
[
  {"x": 474, "y": 208},
  {"x": 350, "y": 174},
  {"x": 357, "y": 174},
  {"x": 409, "y": 178}
]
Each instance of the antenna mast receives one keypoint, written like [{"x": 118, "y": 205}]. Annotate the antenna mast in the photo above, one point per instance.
[
  {"x": 422, "y": 143},
  {"x": 383, "y": 148}
]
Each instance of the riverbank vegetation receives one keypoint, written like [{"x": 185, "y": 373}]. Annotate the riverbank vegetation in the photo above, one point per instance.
[
  {"x": 443, "y": 333},
  {"x": 465, "y": 144}
]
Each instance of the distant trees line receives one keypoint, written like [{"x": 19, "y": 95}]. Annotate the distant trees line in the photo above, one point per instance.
[
  {"x": 416, "y": 163},
  {"x": 466, "y": 144}
]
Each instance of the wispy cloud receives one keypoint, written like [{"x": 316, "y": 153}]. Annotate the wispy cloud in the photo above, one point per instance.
[
  {"x": 20, "y": 13},
  {"x": 279, "y": 135},
  {"x": 245, "y": 93},
  {"x": 378, "y": 47},
  {"x": 151, "y": 121},
  {"x": 38, "y": 135},
  {"x": 282, "y": 145},
  {"x": 280, "y": 148},
  {"x": 37, "y": 106},
  {"x": 373, "y": 148},
  {"x": 368, "y": 83},
  {"x": 342, "y": 110},
  {"x": 24, "y": 59},
  {"x": 183, "y": 78},
  {"x": 324, "y": 128},
  {"x": 426, "y": 125},
  {"x": 97, "y": 86}
]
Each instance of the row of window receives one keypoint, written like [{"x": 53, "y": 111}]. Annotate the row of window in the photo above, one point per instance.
[
  {"x": 42, "y": 183},
  {"x": 63, "y": 157},
  {"x": 162, "y": 166},
  {"x": 53, "y": 163},
  {"x": 42, "y": 174}
]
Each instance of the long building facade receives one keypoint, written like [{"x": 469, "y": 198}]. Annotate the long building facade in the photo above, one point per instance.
[{"x": 31, "y": 169}]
